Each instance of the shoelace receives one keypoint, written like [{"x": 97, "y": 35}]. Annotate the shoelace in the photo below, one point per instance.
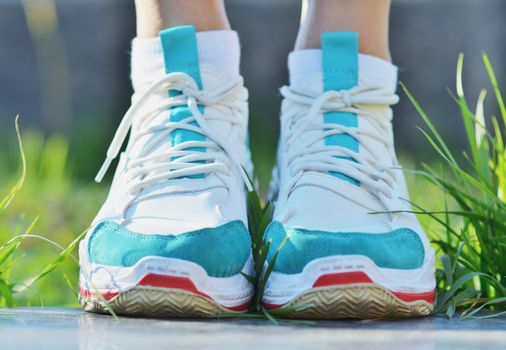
[
  {"x": 182, "y": 160},
  {"x": 312, "y": 155}
]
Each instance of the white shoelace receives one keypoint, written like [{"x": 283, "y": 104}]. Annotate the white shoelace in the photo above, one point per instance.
[
  {"x": 182, "y": 160},
  {"x": 312, "y": 155}
]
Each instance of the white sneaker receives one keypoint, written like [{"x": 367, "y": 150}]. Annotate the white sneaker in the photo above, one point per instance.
[
  {"x": 336, "y": 167},
  {"x": 171, "y": 239}
]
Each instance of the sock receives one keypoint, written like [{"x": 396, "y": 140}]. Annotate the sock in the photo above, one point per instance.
[
  {"x": 303, "y": 64},
  {"x": 219, "y": 48}
]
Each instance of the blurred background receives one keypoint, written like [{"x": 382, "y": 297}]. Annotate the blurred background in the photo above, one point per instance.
[{"x": 64, "y": 68}]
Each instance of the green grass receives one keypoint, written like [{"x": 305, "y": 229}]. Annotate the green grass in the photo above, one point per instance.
[
  {"x": 472, "y": 239},
  {"x": 42, "y": 215}
]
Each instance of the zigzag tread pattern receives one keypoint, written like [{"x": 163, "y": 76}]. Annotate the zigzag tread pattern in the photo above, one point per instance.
[
  {"x": 359, "y": 301},
  {"x": 156, "y": 302}
]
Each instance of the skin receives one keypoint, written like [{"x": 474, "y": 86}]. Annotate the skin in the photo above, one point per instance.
[
  {"x": 367, "y": 17},
  {"x": 155, "y": 15}
]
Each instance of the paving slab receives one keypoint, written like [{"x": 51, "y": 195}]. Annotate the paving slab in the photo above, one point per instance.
[{"x": 69, "y": 328}]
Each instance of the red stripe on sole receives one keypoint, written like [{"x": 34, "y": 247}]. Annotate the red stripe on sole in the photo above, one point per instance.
[
  {"x": 336, "y": 279},
  {"x": 239, "y": 308},
  {"x": 95, "y": 295},
  {"x": 270, "y": 306},
  {"x": 361, "y": 277},
  {"x": 342, "y": 278},
  {"x": 163, "y": 281},
  {"x": 175, "y": 282},
  {"x": 429, "y": 297}
]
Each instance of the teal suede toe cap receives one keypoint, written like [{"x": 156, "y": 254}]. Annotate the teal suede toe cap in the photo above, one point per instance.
[
  {"x": 222, "y": 251},
  {"x": 398, "y": 249}
]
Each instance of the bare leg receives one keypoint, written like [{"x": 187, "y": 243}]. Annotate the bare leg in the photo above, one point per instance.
[
  {"x": 367, "y": 17},
  {"x": 155, "y": 15}
]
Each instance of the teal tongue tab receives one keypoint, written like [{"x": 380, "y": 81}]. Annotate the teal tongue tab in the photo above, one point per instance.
[
  {"x": 179, "y": 45},
  {"x": 340, "y": 72},
  {"x": 180, "y": 54}
]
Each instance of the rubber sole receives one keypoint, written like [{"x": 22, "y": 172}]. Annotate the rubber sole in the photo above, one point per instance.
[
  {"x": 161, "y": 296},
  {"x": 358, "y": 301},
  {"x": 147, "y": 301}
]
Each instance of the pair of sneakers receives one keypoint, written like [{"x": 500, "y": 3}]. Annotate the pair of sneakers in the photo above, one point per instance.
[{"x": 172, "y": 240}]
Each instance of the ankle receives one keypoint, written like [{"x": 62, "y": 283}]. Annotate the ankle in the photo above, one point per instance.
[{"x": 155, "y": 15}]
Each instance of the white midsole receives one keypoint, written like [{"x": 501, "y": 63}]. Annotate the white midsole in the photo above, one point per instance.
[
  {"x": 282, "y": 288},
  {"x": 227, "y": 291}
]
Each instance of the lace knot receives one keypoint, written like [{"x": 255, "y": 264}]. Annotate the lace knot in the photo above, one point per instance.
[{"x": 345, "y": 98}]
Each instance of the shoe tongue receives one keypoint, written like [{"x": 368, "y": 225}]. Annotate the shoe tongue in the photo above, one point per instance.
[
  {"x": 339, "y": 60},
  {"x": 180, "y": 54},
  {"x": 340, "y": 72}
]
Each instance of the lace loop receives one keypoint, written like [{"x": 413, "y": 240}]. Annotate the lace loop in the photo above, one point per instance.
[
  {"x": 180, "y": 160},
  {"x": 311, "y": 155},
  {"x": 345, "y": 97}
]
